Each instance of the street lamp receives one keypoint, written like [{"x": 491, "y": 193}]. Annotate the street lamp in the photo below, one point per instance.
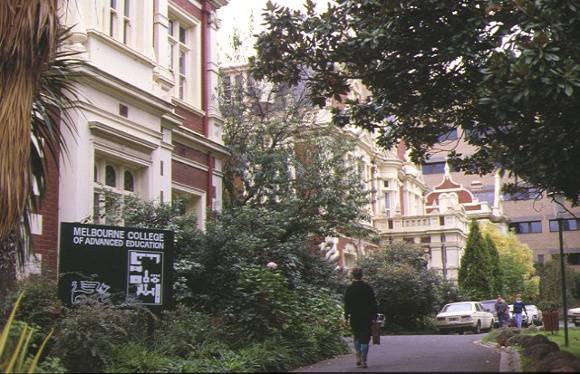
[{"x": 558, "y": 208}]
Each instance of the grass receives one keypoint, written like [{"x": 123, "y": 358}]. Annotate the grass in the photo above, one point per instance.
[{"x": 558, "y": 338}]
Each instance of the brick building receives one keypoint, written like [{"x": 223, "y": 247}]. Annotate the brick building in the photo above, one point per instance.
[{"x": 147, "y": 123}]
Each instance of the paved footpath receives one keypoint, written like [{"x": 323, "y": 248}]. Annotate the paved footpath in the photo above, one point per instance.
[{"x": 416, "y": 353}]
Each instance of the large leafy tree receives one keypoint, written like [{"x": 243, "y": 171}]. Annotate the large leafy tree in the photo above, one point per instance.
[
  {"x": 505, "y": 71},
  {"x": 37, "y": 80},
  {"x": 284, "y": 160},
  {"x": 516, "y": 263},
  {"x": 475, "y": 273}
]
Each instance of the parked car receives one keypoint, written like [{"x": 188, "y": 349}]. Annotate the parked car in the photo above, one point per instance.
[
  {"x": 464, "y": 316},
  {"x": 574, "y": 316},
  {"x": 536, "y": 314},
  {"x": 489, "y": 306},
  {"x": 525, "y": 317}
]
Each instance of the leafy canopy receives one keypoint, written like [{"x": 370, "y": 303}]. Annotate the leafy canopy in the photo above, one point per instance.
[{"x": 505, "y": 71}]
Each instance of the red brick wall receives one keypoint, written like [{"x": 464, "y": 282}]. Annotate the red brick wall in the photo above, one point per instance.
[
  {"x": 189, "y": 176},
  {"x": 190, "y": 153},
  {"x": 188, "y": 7},
  {"x": 47, "y": 243},
  {"x": 191, "y": 120}
]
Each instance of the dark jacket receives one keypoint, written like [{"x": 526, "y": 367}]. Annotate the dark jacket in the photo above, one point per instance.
[
  {"x": 519, "y": 306},
  {"x": 359, "y": 302}
]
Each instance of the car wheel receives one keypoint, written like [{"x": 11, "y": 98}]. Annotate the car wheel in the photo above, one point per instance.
[
  {"x": 477, "y": 328},
  {"x": 461, "y": 332}
]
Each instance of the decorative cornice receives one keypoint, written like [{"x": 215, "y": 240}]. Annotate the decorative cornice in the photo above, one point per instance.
[
  {"x": 108, "y": 132},
  {"x": 186, "y": 161},
  {"x": 200, "y": 142}
]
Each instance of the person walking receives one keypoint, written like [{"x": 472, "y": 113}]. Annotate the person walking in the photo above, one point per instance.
[
  {"x": 519, "y": 307},
  {"x": 501, "y": 308},
  {"x": 360, "y": 308}
]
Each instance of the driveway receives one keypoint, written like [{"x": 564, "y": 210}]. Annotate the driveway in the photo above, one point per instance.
[{"x": 413, "y": 353}]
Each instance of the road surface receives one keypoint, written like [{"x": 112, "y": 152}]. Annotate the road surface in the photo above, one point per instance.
[{"x": 413, "y": 353}]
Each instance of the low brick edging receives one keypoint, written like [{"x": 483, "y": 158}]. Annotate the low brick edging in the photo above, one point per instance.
[{"x": 543, "y": 354}]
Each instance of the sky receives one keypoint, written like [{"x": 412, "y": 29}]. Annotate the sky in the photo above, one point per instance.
[{"x": 245, "y": 17}]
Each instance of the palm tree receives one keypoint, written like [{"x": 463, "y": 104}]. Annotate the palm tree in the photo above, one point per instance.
[{"x": 37, "y": 81}]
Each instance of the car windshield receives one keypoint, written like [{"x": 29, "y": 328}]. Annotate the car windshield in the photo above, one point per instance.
[
  {"x": 532, "y": 308},
  {"x": 460, "y": 307}
]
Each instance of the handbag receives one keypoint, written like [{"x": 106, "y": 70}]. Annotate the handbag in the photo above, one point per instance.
[{"x": 376, "y": 332}]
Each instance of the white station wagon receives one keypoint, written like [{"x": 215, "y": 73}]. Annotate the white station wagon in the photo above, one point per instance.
[{"x": 464, "y": 316}]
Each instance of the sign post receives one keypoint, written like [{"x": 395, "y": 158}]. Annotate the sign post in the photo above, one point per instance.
[{"x": 117, "y": 264}]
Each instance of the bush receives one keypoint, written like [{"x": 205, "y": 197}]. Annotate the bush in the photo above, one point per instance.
[
  {"x": 261, "y": 305},
  {"x": 183, "y": 331},
  {"x": 88, "y": 335},
  {"x": 40, "y": 305},
  {"x": 136, "y": 358},
  {"x": 405, "y": 289}
]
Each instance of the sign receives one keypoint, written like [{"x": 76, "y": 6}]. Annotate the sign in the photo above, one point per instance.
[{"x": 116, "y": 264}]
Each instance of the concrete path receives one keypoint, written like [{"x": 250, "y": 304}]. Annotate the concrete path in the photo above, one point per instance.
[{"x": 416, "y": 353}]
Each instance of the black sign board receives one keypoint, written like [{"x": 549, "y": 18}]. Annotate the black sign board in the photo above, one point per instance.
[{"x": 118, "y": 264}]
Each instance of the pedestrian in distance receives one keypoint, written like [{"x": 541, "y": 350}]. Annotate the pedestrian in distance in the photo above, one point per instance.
[
  {"x": 501, "y": 309},
  {"x": 360, "y": 308},
  {"x": 519, "y": 307}
]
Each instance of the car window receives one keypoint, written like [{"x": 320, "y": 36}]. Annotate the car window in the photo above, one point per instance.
[
  {"x": 487, "y": 305},
  {"x": 478, "y": 307},
  {"x": 459, "y": 307}
]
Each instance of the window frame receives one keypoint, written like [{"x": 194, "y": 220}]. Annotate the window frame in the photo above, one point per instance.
[
  {"x": 529, "y": 225},
  {"x": 177, "y": 47}
]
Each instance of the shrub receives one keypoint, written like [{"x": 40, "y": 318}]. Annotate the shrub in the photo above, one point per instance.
[
  {"x": 405, "y": 289},
  {"x": 87, "y": 335},
  {"x": 183, "y": 331},
  {"x": 261, "y": 305},
  {"x": 136, "y": 358},
  {"x": 40, "y": 305}
]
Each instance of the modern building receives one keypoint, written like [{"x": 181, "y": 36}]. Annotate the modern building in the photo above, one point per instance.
[{"x": 147, "y": 123}]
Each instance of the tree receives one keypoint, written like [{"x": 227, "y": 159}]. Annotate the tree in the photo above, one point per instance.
[
  {"x": 550, "y": 275},
  {"x": 37, "y": 75},
  {"x": 406, "y": 290},
  {"x": 506, "y": 72},
  {"x": 475, "y": 272},
  {"x": 283, "y": 160},
  {"x": 516, "y": 264},
  {"x": 496, "y": 270}
]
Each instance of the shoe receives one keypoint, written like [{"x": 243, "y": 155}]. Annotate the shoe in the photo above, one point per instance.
[
  {"x": 364, "y": 365},
  {"x": 358, "y": 360}
]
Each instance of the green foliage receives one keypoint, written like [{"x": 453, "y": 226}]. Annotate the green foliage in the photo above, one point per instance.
[
  {"x": 496, "y": 269},
  {"x": 551, "y": 284},
  {"x": 261, "y": 304},
  {"x": 136, "y": 358},
  {"x": 475, "y": 272},
  {"x": 40, "y": 305},
  {"x": 87, "y": 335},
  {"x": 405, "y": 289},
  {"x": 15, "y": 345},
  {"x": 507, "y": 72},
  {"x": 183, "y": 331},
  {"x": 516, "y": 264}
]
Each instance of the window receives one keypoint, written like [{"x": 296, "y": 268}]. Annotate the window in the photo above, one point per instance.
[
  {"x": 569, "y": 224},
  {"x": 487, "y": 196},
  {"x": 541, "y": 259},
  {"x": 120, "y": 23},
  {"x": 451, "y": 135},
  {"x": 528, "y": 227},
  {"x": 528, "y": 194},
  {"x": 387, "y": 204},
  {"x": 573, "y": 258},
  {"x": 179, "y": 55},
  {"x": 434, "y": 168},
  {"x": 112, "y": 182}
]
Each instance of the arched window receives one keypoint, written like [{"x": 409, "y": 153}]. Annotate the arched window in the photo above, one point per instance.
[
  {"x": 129, "y": 184},
  {"x": 110, "y": 176}
]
